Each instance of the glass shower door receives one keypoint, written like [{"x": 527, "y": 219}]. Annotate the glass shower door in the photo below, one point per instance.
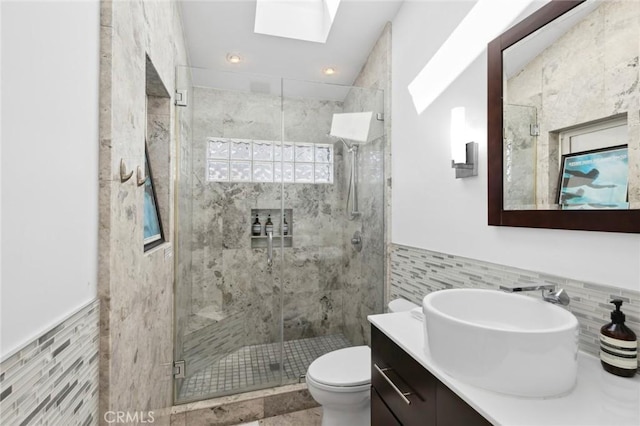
[
  {"x": 520, "y": 147},
  {"x": 255, "y": 150},
  {"x": 228, "y": 295},
  {"x": 330, "y": 285}
]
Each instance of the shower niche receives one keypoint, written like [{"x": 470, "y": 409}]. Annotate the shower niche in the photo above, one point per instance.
[{"x": 261, "y": 241}]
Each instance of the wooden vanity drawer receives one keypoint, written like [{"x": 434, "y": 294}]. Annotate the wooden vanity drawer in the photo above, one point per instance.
[
  {"x": 428, "y": 401},
  {"x": 402, "y": 383},
  {"x": 380, "y": 413},
  {"x": 453, "y": 411}
]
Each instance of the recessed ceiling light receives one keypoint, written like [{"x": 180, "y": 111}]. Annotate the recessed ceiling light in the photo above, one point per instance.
[
  {"x": 329, "y": 71},
  {"x": 233, "y": 58}
]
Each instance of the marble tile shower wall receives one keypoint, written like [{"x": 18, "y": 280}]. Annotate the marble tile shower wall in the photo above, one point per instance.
[
  {"x": 54, "y": 379},
  {"x": 364, "y": 271},
  {"x": 364, "y": 274},
  {"x": 417, "y": 272},
  {"x": 135, "y": 288}
]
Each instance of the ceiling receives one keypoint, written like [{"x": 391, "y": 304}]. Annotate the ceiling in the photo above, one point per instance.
[
  {"x": 518, "y": 56},
  {"x": 215, "y": 28}
]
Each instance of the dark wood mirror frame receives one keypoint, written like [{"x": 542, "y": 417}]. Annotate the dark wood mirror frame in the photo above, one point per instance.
[{"x": 585, "y": 220}]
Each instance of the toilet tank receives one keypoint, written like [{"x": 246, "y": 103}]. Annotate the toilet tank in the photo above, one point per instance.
[{"x": 401, "y": 305}]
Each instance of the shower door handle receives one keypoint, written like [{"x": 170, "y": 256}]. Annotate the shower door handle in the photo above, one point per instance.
[{"x": 269, "y": 250}]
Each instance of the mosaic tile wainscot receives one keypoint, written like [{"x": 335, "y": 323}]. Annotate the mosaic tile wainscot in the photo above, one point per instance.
[
  {"x": 53, "y": 380},
  {"x": 417, "y": 272}
]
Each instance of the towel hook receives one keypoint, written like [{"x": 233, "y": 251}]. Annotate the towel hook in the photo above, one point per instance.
[
  {"x": 140, "y": 177},
  {"x": 124, "y": 176}
]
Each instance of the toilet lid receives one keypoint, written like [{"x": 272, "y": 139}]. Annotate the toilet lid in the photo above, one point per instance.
[{"x": 344, "y": 367}]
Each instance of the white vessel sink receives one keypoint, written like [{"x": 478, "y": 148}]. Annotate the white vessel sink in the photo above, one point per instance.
[{"x": 504, "y": 342}]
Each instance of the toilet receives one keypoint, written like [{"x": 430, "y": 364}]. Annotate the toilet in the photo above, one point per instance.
[{"x": 340, "y": 381}]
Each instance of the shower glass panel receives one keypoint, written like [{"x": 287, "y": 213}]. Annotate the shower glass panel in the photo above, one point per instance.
[
  {"x": 248, "y": 146},
  {"x": 520, "y": 148},
  {"x": 329, "y": 286},
  {"x": 228, "y": 313}
]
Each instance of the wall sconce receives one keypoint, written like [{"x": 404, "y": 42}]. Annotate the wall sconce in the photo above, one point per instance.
[{"x": 464, "y": 155}]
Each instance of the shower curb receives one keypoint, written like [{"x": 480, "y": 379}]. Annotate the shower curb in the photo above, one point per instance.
[{"x": 244, "y": 407}]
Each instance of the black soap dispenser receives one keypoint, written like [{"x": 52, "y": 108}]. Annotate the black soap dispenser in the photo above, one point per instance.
[
  {"x": 268, "y": 226},
  {"x": 285, "y": 226},
  {"x": 256, "y": 228},
  {"x": 618, "y": 345}
]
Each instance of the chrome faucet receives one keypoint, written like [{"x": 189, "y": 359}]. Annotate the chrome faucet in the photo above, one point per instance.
[{"x": 559, "y": 297}]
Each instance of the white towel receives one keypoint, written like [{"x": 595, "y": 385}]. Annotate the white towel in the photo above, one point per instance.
[{"x": 417, "y": 313}]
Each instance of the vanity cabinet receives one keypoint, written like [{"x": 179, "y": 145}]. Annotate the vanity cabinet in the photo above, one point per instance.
[
  {"x": 405, "y": 393},
  {"x": 380, "y": 413}
]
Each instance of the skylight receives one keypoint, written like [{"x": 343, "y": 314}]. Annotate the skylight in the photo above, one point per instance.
[
  {"x": 308, "y": 20},
  {"x": 483, "y": 23}
]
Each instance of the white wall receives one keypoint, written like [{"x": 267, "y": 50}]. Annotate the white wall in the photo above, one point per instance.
[
  {"x": 50, "y": 65},
  {"x": 433, "y": 210}
]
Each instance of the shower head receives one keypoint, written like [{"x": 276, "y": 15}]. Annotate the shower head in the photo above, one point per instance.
[{"x": 353, "y": 126}]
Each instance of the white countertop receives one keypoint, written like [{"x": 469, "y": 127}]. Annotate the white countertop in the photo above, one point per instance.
[{"x": 599, "y": 398}]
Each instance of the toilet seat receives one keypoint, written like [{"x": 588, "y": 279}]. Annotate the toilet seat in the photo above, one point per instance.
[
  {"x": 346, "y": 370},
  {"x": 337, "y": 389}
]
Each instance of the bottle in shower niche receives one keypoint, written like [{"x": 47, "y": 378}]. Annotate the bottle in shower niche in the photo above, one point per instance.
[
  {"x": 618, "y": 345},
  {"x": 285, "y": 226},
  {"x": 256, "y": 228},
  {"x": 268, "y": 225}
]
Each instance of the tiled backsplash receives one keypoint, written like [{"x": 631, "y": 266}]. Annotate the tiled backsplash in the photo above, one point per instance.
[
  {"x": 53, "y": 380},
  {"x": 417, "y": 272}
]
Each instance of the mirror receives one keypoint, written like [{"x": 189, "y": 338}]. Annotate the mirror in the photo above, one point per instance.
[{"x": 564, "y": 118}]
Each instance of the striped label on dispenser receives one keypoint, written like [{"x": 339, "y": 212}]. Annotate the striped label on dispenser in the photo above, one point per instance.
[{"x": 619, "y": 353}]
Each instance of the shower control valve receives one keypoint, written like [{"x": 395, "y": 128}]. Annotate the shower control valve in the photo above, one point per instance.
[{"x": 356, "y": 241}]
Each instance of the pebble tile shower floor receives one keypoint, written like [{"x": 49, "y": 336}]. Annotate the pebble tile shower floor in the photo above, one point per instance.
[{"x": 253, "y": 366}]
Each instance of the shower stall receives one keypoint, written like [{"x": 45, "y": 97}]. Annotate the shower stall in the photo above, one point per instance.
[
  {"x": 276, "y": 158},
  {"x": 520, "y": 147}
]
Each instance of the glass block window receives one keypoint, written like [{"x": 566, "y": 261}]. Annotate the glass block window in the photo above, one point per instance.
[
  {"x": 218, "y": 170},
  {"x": 262, "y": 172},
  {"x": 240, "y": 171},
  {"x": 242, "y": 160},
  {"x": 262, "y": 151},
  {"x": 324, "y": 154},
  {"x": 218, "y": 149},
  {"x": 304, "y": 152},
  {"x": 303, "y": 172},
  {"x": 241, "y": 150},
  {"x": 283, "y": 171},
  {"x": 323, "y": 173},
  {"x": 283, "y": 152}
]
